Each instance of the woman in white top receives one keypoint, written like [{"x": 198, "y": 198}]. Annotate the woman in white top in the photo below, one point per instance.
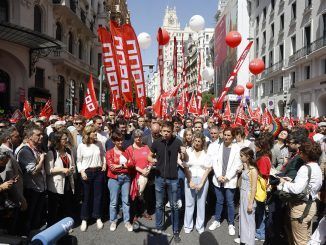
[
  {"x": 197, "y": 168},
  {"x": 59, "y": 167},
  {"x": 310, "y": 153},
  {"x": 92, "y": 165}
]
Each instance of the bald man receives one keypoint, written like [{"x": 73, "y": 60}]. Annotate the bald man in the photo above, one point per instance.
[{"x": 154, "y": 135}]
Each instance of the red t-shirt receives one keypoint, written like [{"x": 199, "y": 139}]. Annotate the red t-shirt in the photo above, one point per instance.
[
  {"x": 139, "y": 155},
  {"x": 264, "y": 166}
]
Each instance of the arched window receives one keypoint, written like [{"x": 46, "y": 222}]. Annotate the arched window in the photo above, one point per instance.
[
  {"x": 37, "y": 18},
  {"x": 4, "y": 10},
  {"x": 80, "y": 49},
  {"x": 58, "y": 32},
  {"x": 70, "y": 42}
]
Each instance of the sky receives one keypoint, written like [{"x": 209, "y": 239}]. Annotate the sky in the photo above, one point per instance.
[{"x": 147, "y": 16}]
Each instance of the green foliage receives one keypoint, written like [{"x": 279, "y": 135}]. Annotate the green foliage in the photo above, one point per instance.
[
  {"x": 148, "y": 101},
  {"x": 207, "y": 98}
]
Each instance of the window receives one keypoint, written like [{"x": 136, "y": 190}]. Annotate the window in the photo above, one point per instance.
[
  {"x": 272, "y": 30},
  {"x": 308, "y": 3},
  {"x": 282, "y": 22},
  {"x": 90, "y": 56},
  {"x": 293, "y": 44},
  {"x": 80, "y": 49},
  {"x": 257, "y": 46},
  {"x": 264, "y": 59},
  {"x": 39, "y": 77},
  {"x": 307, "y": 72},
  {"x": 257, "y": 22},
  {"x": 292, "y": 79},
  {"x": 58, "y": 32},
  {"x": 271, "y": 58},
  {"x": 264, "y": 37},
  {"x": 99, "y": 62},
  {"x": 324, "y": 25},
  {"x": 70, "y": 43},
  {"x": 264, "y": 14},
  {"x": 257, "y": 3},
  {"x": 37, "y": 18},
  {"x": 294, "y": 10},
  {"x": 4, "y": 11},
  {"x": 207, "y": 37},
  {"x": 271, "y": 87},
  {"x": 281, "y": 84},
  {"x": 307, "y": 36},
  {"x": 272, "y": 5},
  {"x": 281, "y": 52},
  {"x": 306, "y": 109}
]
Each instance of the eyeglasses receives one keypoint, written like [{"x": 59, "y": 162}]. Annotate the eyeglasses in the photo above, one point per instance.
[{"x": 78, "y": 123}]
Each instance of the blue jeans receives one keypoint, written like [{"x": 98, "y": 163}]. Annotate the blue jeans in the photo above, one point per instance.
[
  {"x": 172, "y": 188},
  {"x": 222, "y": 193},
  {"x": 92, "y": 187},
  {"x": 122, "y": 183},
  {"x": 181, "y": 188},
  {"x": 260, "y": 221}
]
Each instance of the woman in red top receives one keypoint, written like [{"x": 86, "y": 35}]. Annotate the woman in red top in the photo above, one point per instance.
[
  {"x": 263, "y": 161},
  {"x": 119, "y": 164},
  {"x": 139, "y": 153}
]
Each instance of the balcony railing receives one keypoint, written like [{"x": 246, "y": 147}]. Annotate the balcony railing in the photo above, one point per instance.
[
  {"x": 275, "y": 67},
  {"x": 319, "y": 43}
]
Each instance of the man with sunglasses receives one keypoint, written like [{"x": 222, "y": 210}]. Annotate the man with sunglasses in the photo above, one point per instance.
[{"x": 77, "y": 134}]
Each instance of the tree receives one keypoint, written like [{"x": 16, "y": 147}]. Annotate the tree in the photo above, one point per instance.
[
  {"x": 148, "y": 101},
  {"x": 207, "y": 98}
]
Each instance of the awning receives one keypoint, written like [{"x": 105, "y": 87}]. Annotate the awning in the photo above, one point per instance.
[{"x": 40, "y": 45}]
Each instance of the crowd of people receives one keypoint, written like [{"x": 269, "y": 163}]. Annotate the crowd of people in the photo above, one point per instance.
[{"x": 273, "y": 184}]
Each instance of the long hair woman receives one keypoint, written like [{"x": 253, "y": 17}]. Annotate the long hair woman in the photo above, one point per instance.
[
  {"x": 59, "y": 167},
  {"x": 91, "y": 165}
]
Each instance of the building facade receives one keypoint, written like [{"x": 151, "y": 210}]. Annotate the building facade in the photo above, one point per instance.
[
  {"x": 48, "y": 49},
  {"x": 290, "y": 36},
  {"x": 233, "y": 15}
]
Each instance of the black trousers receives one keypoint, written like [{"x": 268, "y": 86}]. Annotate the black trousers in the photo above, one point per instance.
[{"x": 59, "y": 206}]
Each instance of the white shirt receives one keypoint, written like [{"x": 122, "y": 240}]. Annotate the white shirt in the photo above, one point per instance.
[
  {"x": 102, "y": 137},
  {"x": 197, "y": 164},
  {"x": 90, "y": 156},
  {"x": 212, "y": 150},
  {"x": 300, "y": 181}
]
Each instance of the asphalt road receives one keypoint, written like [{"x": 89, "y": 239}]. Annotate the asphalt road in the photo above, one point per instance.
[{"x": 121, "y": 236}]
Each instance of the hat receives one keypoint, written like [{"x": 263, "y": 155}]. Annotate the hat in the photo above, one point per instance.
[{"x": 322, "y": 124}]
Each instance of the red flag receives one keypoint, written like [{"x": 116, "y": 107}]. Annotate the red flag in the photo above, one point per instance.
[
  {"x": 233, "y": 75},
  {"x": 90, "y": 106},
  {"x": 16, "y": 116},
  {"x": 175, "y": 61},
  {"x": 110, "y": 65},
  {"x": 182, "y": 104},
  {"x": 192, "y": 108},
  {"x": 240, "y": 116},
  {"x": 157, "y": 107},
  {"x": 120, "y": 54},
  {"x": 27, "y": 109},
  {"x": 47, "y": 110},
  {"x": 267, "y": 118},
  {"x": 227, "y": 112},
  {"x": 136, "y": 66},
  {"x": 205, "y": 110}
]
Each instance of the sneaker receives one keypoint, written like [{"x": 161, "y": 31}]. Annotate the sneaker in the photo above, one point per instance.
[
  {"x": 179, "y": 204},
  {"x": 177, "y": 238},
  {"x": 214, "y": 225},
  {"x": 231, "y": 230},
  {"x": 99, "y": 224},
  {"x": 237, "y": 240},
  {"x": 113, "y": 226},
  {"x": 187, "y": 231},
  {"x": 200, "y": 231},
  {"x": 128, "y": 226},
  {"x": 83, "y": 226},
  {"x": 168, "y": 205}
]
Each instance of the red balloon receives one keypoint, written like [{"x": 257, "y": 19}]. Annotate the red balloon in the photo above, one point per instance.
[
  {"x": 239, "y": 90},
  {"x": 233, "y": 39},
  {"x": 162, "y": 37},
  {"x": 249, "y": 85},
  {"x": 256, "y": 66}
]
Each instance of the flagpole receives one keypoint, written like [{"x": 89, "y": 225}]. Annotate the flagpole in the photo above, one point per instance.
[{"x": 100, "y": 90}]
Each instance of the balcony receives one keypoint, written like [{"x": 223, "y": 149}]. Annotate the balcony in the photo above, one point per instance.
[
  {"x": 273, "y": 68},
  {"x": 301, "y": 53},
  {"x": 292, "y": 22},
  {"x": 307, "y": 10}
]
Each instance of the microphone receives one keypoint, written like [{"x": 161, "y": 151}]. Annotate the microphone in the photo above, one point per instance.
[{"x": 137, "y": 226}]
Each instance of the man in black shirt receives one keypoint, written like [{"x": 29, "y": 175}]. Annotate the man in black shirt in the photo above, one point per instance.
[{"x": 165, "y": 153}]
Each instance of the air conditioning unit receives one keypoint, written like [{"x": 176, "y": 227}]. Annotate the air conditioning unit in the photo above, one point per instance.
[{"x": 117, "y": 8}]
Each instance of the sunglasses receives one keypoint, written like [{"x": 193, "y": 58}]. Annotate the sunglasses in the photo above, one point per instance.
[{"x": 78, "y": 123}]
